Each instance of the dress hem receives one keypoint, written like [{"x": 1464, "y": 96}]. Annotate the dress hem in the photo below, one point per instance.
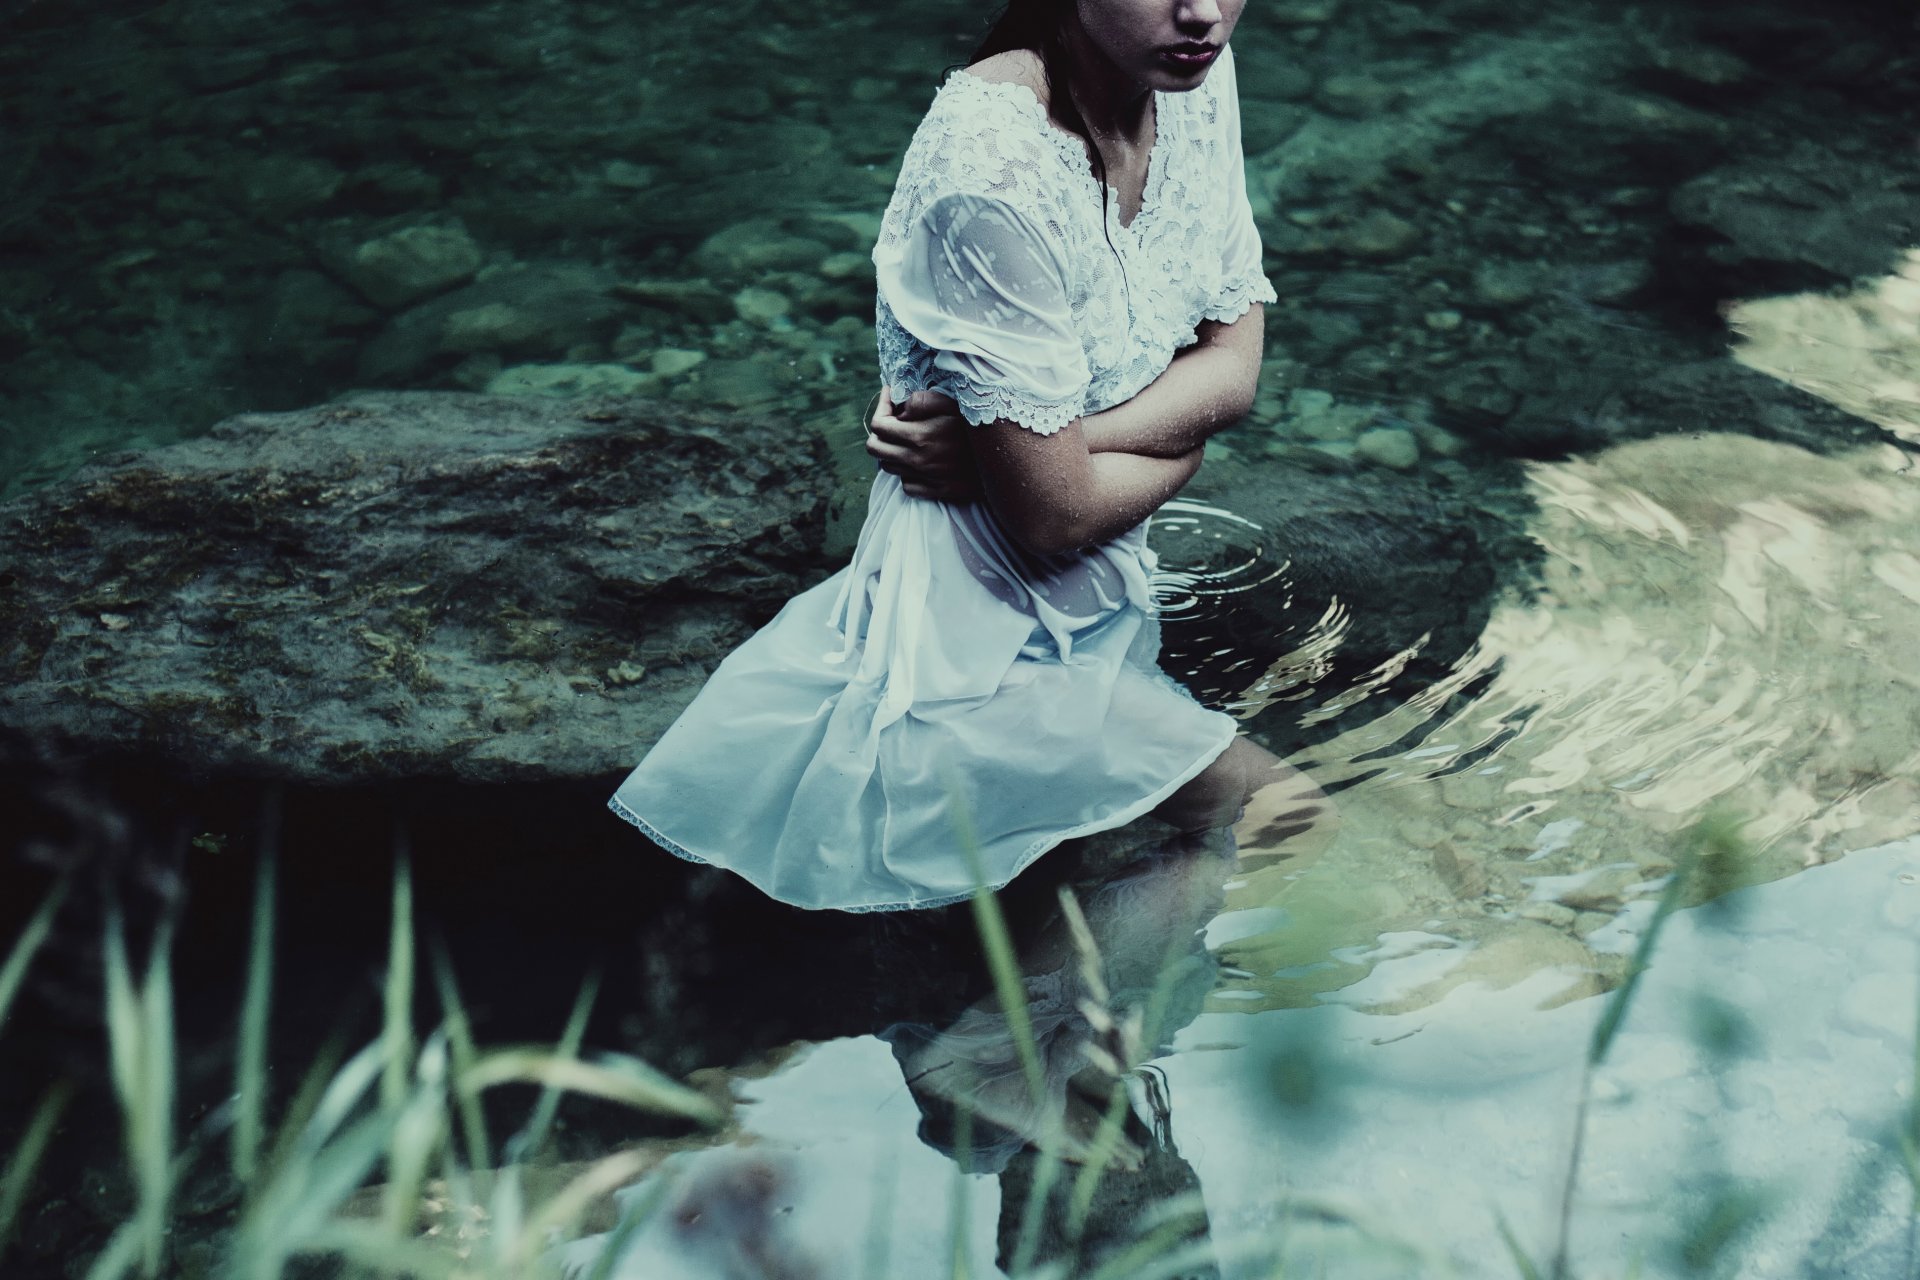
[{"x": 1133, "y": 811}]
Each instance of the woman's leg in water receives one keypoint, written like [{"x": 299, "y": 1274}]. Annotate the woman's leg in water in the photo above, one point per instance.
[
  {"x": 1144, "y": 920},
  {"x": 1277, "y": 813}
]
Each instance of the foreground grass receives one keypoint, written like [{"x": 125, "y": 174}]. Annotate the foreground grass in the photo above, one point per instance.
[{"x": 381, "y": 1163}]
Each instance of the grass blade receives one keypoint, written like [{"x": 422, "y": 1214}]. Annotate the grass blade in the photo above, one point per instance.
[
  {"x": 298, "y": 1203},
  {"x": 14, "y": 972},
  {"x": 397, "y": 1033},
  {"x": 1711, "y": 835},
  {"x": 418, "y": 1132},
  {"x": 1033, "y": 1213},
  {"x": 371, "y": 1249},
  {"x": 635, "y": 1216},
  {"x": 153, "y": 1158},
  {"x": 343, "y": 1094},
  {"x": 18, "y": 1180},
  {"x": 534, "y": 1136},
  {"x": 473, "y": 1116},
  {"x": 1106, "y": 1140},
  {"x": 563, "y": 1211},
  {"x": 119, "y": 1257},
  {"x": 123, "y": 1016},
  {"x": 1521, "y": 1261},
  {"x": 250, "y": 1062},
  {"x": 140, "y": 1053},
  {"x": 990, "y": 922},
  {"x": 615, "y": 1079}
]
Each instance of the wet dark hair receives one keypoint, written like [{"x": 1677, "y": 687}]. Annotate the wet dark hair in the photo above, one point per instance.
[{"x": 1041, "y": 25}]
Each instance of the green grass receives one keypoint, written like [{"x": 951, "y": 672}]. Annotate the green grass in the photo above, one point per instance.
[{"x": 354, "y": 1164}]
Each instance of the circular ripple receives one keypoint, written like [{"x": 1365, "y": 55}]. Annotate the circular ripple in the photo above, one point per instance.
[{"x": 1208, "y": 555}]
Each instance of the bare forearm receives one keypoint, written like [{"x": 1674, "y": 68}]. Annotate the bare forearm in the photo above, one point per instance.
[
  {"x": 1127, "y": 488},
  {"x": 1056, "y": 496},
  {"x": 1208, "y": 387}
]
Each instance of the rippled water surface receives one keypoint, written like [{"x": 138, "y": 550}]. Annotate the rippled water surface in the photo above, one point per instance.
[{"x": 1572, "y": 549}]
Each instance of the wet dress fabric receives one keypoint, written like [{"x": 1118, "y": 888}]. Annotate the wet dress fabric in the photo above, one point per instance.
[{"x": 949, "y": 706}]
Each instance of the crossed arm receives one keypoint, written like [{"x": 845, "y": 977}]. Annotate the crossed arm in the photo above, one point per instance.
[{"x": 1103, "y": 473}]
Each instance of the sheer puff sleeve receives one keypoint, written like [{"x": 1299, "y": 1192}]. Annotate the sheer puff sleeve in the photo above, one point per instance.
[{"x": 982, "y": 288}]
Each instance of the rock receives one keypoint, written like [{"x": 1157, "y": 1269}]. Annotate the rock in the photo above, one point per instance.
[
  {"x": 1551, "y": 914},
  {"x": 1358, "y": 95},
  {"x": 1301, "y": 13},
  {"x": 306, "y": 319},
  {"x": 1613, "y": 283},
  {"x": 1505, "y": 283},
  {"x": 392, "y": 186},
  {"x": 276, "y": 188},
  {"x": 693, "y": 299},
  {"x": 1265, "y": 125},
  {"x": 671, "y": 362},
  {"x": 626, "y": 176},
  {"x": 491, "y": 326},
  {"x": 846, "y": 266},
  {"x": 1380, "y": 234},
  {"x": 760, "y": 244},
  {"x": 1462, "y": 871},
  {"x": 740, "y": 384},
  {"x": 1438, "y": 441},
  {"x": 1505, "y": 953},
  {"x": 413, "y": 263},
  {"x": 1705, "y": 391},
  {"x": 1315, "y": 415},
  {"x": 1604, "y": 889},
  {"x": 530, "y": 311},
  {"x": 761, "y": 306},
  {"x": 1393, "y": 447},
  {"x": 404, "y": 585},
  {"x": 569, "y": 380},
  {"x": 1804, "y": 220},
  {"x": 1686, "y": 68}
]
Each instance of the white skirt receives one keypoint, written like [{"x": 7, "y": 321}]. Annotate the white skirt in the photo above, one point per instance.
[{"x": 933, "y": 717}]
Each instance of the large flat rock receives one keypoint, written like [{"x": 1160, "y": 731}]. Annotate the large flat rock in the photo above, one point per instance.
[{"x": 403, "y": 586}]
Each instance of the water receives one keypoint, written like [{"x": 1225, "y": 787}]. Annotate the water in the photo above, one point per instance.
[{"x": 1577, "y": 507}]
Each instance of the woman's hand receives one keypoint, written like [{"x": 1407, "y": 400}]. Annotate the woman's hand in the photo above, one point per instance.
[{"x": 925, "y": 442}]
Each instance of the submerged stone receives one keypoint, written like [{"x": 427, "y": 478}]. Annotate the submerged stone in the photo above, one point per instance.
[
  {"x": 413, "y": 263},
  {"x": 569, "y": 381},
  {"x": 1393, "y": 447},
  {"x": 404, "y": 585}
]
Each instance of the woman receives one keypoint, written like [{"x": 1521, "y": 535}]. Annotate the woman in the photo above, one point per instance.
[{"x": 1069, "y": 260}]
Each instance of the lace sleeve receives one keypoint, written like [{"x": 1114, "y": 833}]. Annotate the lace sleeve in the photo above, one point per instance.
[
  {"x": 1242, "y": 281},
  {"x": 983, "y": 288},
  {"x": 971, "y": 263}
]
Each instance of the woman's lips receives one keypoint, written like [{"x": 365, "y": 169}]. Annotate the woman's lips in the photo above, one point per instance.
[{"x": 1190, "y": 57}]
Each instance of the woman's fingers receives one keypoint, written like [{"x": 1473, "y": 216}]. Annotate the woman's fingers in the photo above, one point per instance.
[
  {"x": 922, "y": 405},
  {"x": 924, "y": 440}
]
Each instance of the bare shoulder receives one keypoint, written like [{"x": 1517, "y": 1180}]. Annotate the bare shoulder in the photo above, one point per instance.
[{"x": 1014, "y": 66}]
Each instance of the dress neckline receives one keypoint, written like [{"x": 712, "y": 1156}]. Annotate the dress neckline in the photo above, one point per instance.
[{"x": 1074, "y": 148}]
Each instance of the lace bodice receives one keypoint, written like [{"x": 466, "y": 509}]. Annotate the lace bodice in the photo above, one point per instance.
[{"x": 997, "y": 281}]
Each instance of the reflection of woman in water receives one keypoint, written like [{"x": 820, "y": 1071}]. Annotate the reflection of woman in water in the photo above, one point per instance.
[{"x": 1070, "y": 303}]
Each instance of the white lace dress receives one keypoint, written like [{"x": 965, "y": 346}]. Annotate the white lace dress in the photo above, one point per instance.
[{"x": 949, "y": 707}]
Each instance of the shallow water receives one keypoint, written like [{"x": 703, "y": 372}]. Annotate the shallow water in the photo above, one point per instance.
[{"x": 1631, "y": 318}]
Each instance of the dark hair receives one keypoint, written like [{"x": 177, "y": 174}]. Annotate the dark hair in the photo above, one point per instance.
[{"x": 1041, "y": 25}]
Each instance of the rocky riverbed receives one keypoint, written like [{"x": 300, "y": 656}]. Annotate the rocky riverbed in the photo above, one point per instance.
[{"x": 1494, "y": 228}]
